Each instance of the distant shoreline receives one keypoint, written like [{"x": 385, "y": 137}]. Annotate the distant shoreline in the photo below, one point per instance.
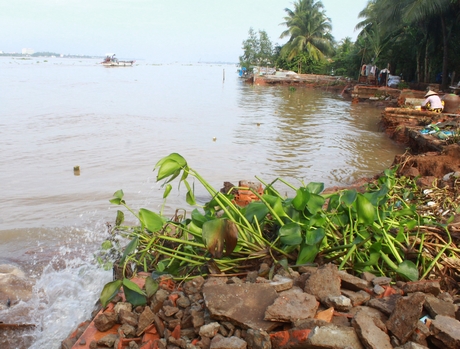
[{"x": 46, "y": 54}]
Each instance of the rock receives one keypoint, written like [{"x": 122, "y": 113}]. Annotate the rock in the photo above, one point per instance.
[
  {"x": 280, "y": 283},
  {"x": 292, "y": 305},
  {"x": 158, "y": 324},
  {"x": 378, "y": 290},
  {"x": 183, "y": 301},
  {"x": 128, "y": 317},
  {"x": 105, "y": 321},
  {"x": 340, "y": 303},
  {"x": 209, "y": 330},
  {"x": 324, "y": 282},
  {"x": 403, "y": 321},
  {"x": 108, "y": 341},
  {"x": 197, "y": 314},
  {"x": 353, "y": 283},
  {"x": 231, "y": 303},
  {"x": 333, "y": 337},
  {"x": 446, "y": 330},
  {"x": 128, "y": 330},
  {"x": 357, "y": 298},
  {"x": 122, "y": 305},
  {"x": 385, "y": 305},
  {"x": 426, "y": 286},
  {"x": 371, "y": 335},
  {"x": 145, "y": 319},
  {"x": 219, "y": 342},
  {"x": 412, "y": 345},
  {"x": 435, "y": 306},
  {"x": 381, "y": 280},
  {"x": 258, "y": 339},
  {"x": 170, "y": 311}
]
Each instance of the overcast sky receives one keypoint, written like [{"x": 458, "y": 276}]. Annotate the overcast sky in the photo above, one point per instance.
[{"x": 156, "y": 30}]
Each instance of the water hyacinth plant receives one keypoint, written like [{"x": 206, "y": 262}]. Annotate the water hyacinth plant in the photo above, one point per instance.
[{"x": 377, "y": 230}]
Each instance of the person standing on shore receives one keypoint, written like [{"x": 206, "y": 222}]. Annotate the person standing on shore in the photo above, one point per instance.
[{"x": 433, "y": 102}]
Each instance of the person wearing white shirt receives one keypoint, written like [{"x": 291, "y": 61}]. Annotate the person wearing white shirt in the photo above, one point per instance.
[{"x": 433, "y": 102}]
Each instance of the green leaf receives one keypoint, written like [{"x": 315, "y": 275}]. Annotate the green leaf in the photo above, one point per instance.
[
  {"x": 365, "y": 210},
  {"x": 404, "y": 212},
  {"x": 198, "y": 218},
  {"x": 307, "y": 254},
  {"x": 170, "y": 165},
  {"x": 276, "y": 205},
  {"x": 118, "y": 194},
  {"x": 255, "y": 209},
  {"x": 315, "y": 203},
  {"x": 151, "y": 286},
  {"x": 120, "y": 218},
  {"x": 130, "y": 248},
  {"x": 190, "y": 197},
  {"x": 151, "y": 220},
  {"x": 348, "y": 197},
  {"x": 219, "y": 233},
  {"x": 132, "y": 286},
  {"x": 116, "y": 201},
  {"x": 301, "y": 199},
  {"x": 168, "y": 168},
  {"x": 315, "y": 187},
  {"x": 377, "y": 197},
  {"x": 133, "y": 293},
  {"x": 290, "y": 234},
  {"x": 167, "y": 191},
  {"x": 315, "y": 236},
  {"x": 408, "y": 270},
  {"x": 109, "y": 291}
]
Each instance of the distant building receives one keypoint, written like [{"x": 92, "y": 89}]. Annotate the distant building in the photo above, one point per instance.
[{"x": 27, "y": 51}]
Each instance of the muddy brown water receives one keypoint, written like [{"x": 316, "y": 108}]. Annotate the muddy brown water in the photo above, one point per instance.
[{"x": 115, "y": 124}]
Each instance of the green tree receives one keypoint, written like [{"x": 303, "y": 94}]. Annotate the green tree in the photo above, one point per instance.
[
  {"x": 309, "y": 31},
  {"x": 428, "y": 23},
  {"x": 257, "y": 50}
]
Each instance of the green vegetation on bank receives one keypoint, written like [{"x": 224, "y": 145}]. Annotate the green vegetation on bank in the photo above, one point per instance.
[
  {"x": 416, "y": 39},
  {"x": 383, "y": 230}
]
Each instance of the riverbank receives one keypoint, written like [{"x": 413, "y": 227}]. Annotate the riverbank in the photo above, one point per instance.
[{"x": 363, "y": 312}]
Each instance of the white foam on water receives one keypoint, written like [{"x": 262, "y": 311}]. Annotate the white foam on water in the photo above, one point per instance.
[
  {"x": 61, "y": 292},
  {"x": 65, "y": 298}
]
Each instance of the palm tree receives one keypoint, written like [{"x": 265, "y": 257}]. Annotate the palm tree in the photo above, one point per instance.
[
  {"x": 424, "y": 14},
  {"x": 309, "y": 29}
]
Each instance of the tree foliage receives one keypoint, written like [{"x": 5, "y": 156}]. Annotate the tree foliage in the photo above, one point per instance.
[{"x": 257, "y": 50}]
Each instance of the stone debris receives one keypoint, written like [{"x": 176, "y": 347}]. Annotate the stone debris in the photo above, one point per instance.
[{"x": 323, "y": 309}]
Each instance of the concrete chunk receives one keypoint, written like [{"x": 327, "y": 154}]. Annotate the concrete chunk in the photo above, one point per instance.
[
  {"x": 220, "y": 342},
  {"x": 447, "y": 330},
  {"x": 323, "y": 282},
  {"x": 403, "y": 321},
  {"x": 243, "y": 305},
  {"x": 292, "y": 305},
  {"x": 353, "y": 283},
  {"x": 369, "y": 333},
  {"x": 333, "y": 337},
  {"x": 435, "y": 306},
  {"x": 426, "y": 286}
]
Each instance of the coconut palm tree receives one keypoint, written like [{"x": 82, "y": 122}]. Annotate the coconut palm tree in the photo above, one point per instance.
[
  {"x": 309, "y": 30},
  {"x": 424, "y": 14}
]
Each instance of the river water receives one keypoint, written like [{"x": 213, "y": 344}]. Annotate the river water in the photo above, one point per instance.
[{"x": 115, "y": 124}]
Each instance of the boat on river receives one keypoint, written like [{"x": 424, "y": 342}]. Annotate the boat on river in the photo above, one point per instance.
[{"x": 112, "y": 61}]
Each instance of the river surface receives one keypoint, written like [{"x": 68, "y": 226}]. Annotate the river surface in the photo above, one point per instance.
[{"x": 115, "y": 124}]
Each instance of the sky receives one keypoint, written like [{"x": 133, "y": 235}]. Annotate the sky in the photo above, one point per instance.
[{"x": 154, "y": 30}]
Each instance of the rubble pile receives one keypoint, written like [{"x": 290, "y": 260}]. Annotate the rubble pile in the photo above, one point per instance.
[{"x": 310, "y": 307}]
